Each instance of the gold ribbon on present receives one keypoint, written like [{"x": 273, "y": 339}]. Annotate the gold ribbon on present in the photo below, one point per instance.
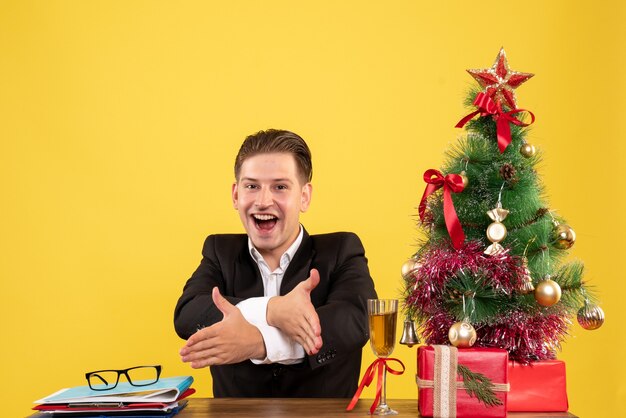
[{"x": 445, "y": 385}]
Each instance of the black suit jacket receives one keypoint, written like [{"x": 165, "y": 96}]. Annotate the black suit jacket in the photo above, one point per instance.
[{"x": 339, "y": 299}]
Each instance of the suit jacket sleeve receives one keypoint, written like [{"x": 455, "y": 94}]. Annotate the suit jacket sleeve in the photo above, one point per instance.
[
  {"x": 343, "y": 315},
  {"x": 195, "y": 308}
]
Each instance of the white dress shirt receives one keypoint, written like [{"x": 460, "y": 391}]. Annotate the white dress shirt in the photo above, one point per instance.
[{"x": 279, "y": 347}]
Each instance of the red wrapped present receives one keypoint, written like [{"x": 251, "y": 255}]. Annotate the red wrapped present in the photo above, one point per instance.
[
  {"x": 442, "y": 390},
  {"x": 537, "y": 387}
]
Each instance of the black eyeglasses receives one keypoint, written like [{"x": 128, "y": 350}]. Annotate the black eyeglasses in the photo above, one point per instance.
[{"x": 136, "y": 376}]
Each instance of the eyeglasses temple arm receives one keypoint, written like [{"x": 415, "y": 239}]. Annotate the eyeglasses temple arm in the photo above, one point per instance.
[{"x": 100, "y": 377}]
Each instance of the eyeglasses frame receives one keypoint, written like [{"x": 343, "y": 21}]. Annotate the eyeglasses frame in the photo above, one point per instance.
[{"x": 125, "y": 373}]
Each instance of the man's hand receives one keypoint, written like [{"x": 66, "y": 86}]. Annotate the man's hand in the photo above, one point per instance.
[
  {"x": 295, "y": 315},
  {"x": 231, "y": 340}
]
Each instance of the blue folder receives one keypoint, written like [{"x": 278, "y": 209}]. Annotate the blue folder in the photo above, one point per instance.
[{"x": 167, "y": 389}]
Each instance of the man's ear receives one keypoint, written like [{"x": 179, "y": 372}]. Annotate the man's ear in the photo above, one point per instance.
[
  {"x": 235, "y": 195},
  {"x": 305, "y": 199}
]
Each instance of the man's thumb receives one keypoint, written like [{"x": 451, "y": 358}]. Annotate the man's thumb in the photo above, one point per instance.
[
  {"x": 314, "y": 280},
  {"x": 221, "y": 303}
]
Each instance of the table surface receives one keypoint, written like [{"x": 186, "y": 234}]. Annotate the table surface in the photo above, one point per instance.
[{"x": 308, "y": 407}]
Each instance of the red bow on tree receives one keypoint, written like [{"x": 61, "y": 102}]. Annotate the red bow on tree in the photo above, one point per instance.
[
  {"x": 486, "y": 106},
  {"x": 450, "y": 183}
]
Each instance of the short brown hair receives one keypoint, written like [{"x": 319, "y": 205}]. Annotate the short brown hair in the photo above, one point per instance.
[{"x": 275, "y": 140}]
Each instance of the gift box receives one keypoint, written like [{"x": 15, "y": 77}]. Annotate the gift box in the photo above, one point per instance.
[
  {"x": 441, "y": 390},
  {"x": 537, "y": 387}
]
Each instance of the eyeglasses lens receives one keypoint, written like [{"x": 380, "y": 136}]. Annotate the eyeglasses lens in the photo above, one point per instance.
[
  {"x": 141, "y": 376},
  {"x": 103, "y": 380}
]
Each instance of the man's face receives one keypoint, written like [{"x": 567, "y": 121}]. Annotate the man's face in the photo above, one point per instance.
[{"x": 269, "y": 196}]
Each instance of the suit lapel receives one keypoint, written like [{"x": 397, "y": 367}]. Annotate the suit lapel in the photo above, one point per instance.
[
  {"x": 299, "y": 268},
  {"x": 247, "y": 277}
]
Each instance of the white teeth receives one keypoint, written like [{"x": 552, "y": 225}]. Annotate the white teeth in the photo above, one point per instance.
[{"x": 264, "y": 217}]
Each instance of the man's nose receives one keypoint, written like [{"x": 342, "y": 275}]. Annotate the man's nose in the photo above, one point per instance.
[{"x": 264, "y": 198}]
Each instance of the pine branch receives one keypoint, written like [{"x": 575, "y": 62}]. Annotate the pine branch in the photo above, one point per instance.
[
  {"x": 481, "y": 300},
  {"x": 574, "y": 290},
  {"x": 539, "y": 214},
  {"x": 479, "y": 386},
  {"x": 471, "y": 95}
]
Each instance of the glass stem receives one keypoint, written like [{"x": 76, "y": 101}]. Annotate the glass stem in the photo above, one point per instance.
[{"x": 383, "y": 394}]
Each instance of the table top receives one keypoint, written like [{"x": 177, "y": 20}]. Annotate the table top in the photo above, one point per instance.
[{"x": 309, "y": 407}]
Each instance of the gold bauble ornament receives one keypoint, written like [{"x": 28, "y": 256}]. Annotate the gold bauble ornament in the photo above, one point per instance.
[
  {"x": 410, "y": 267},
  {"x": 563, "y": 236},
  {"x": 548, "y": 292},
  {"x": 465, "y": 179},
  {"x": 527, "y": 150},
  {"x": 590, "y": 316},
  {"x": 462, "y": 334}
]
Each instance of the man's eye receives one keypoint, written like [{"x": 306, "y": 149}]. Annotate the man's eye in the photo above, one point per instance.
[
  {"x": 281, "y": 187},
  {"x": 250, "y": 186}
]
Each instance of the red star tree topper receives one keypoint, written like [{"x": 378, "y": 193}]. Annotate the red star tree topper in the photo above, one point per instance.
[{"x": 499, "y": 81}]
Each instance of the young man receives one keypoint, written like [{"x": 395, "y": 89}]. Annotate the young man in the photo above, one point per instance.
[{"x": 276, "y": 311}]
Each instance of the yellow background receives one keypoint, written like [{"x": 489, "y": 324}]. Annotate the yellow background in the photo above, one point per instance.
[{"x": 120, "y": 120}]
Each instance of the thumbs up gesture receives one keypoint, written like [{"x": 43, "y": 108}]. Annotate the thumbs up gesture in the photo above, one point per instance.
[
  {"x": 295, "y": 315},
  {"x": 231, "y": 340}
]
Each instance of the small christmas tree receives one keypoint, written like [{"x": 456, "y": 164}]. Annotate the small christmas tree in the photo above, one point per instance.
[{"x": 490, "y": 271}]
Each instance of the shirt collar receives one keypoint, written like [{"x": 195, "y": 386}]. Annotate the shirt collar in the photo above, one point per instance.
[{"x": 286, "y": 258}]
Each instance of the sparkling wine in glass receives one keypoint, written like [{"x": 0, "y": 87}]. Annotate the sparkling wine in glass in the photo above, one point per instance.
[{"x": 383, "y": 315}]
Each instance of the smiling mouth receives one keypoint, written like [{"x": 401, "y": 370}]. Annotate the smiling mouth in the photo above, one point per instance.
[{"x": 264, "y": 222}]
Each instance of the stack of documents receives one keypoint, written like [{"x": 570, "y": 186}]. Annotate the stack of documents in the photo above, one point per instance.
[{"x": 162, "y": 399}]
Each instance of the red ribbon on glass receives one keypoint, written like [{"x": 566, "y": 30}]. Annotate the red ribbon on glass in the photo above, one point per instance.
[
  {"x": 486, "y": 106},
  {"x": 450, "y": 183},
  {"x": 377, "y": 367}
]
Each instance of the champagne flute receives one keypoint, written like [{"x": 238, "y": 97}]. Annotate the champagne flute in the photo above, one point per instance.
[{"x": 383, "y": 315}]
